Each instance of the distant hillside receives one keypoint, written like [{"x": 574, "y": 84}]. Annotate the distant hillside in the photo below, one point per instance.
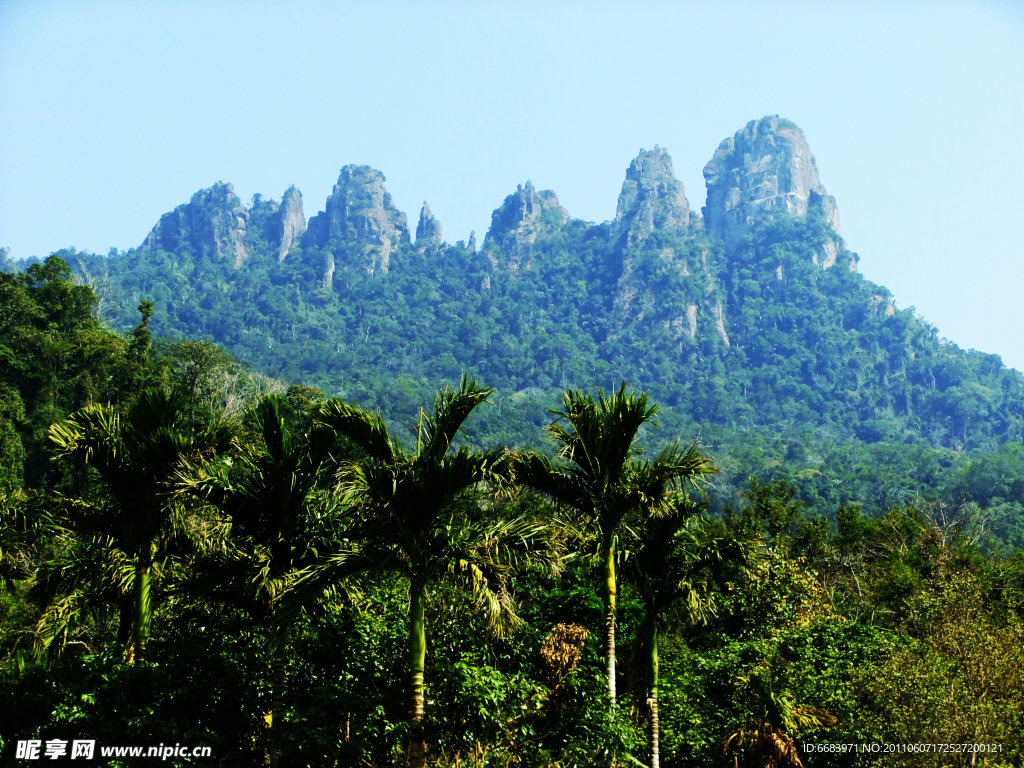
[{"x": 750, "y": 316}]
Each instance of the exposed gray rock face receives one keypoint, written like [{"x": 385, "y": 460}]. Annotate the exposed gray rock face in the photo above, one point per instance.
[
  {"x": 523, "y": 216},
  {"x": 716, "y": 314},
  {"x": 327, "y": 272},
  {"x": 765, "y": 169},
  {"x": 428, "y": 230},
  {"x": 651, "y": 197},
  {"x": 212, "y": 225},
  {"x": 291, "y": 224},
  {"x": 642, "y": 300},
  {"x": 359, "y": 212}
]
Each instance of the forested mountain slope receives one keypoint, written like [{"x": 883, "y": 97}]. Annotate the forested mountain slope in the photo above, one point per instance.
[
  {"x": 752, "y": 315},
  {"x": 749, "y": 323},
  {"x": 831, "y": 620}
]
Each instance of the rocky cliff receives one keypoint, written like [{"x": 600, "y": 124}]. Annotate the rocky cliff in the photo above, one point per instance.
[
  {"x": 652, "y": 200},
  {"x": 212, "y": 225},
  {"x": 525, "y": 215},
  {"x": 215, "y": 225},
  {"x": 765, "y": 169},
  {"x": 291, "y": 222},
  {"x": 651, "y": 197},
  {"x": 359, "y": 213},
  {"x": 428, "y": 230}
]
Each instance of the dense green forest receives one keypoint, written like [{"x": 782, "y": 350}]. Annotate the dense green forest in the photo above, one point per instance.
[
  {"x": 670, "y": 490},
  {"x": 769, "y": 347},
  {"x": 192, "y": 553},
  {"x": 821, "y": 349}
]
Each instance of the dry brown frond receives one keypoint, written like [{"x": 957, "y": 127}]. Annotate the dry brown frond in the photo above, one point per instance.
[{"x": 561, "y": 651}]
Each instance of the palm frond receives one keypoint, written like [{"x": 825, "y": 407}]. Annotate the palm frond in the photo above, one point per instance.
[
  {"x": 601, "y": 434},
  {"x": 326, "y": 580},
  {"x": 652, "y": 480},
  {"x": 775, "y": 718},
  {"x": 562, "y": 484},
  {"x": 365, "y": 429},
  {"x": 451, "y": 409},
  {"x": 269, "y": 425},
  {"x": 27, "y": 522},
  {"x": 92, "y": 434},
  {"x": 83, "y": 580},
  {"x": 486, "y": 554}
]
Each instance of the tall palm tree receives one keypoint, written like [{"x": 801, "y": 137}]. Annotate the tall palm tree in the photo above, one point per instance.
[
  {"x": 669, "y": 569},
  {"x": 407, "y": 498},
  {"x": 136, "y": 456},
  {"x": 279, "y": 519},
  {"x": 605, "y": 480}
]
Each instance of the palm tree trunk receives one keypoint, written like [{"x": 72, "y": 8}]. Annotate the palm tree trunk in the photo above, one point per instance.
[
  {"x": 651, "y": 662},
  {"x": 270, "y": 757},
  {"x": 417, "y": 663},
  {"x": 611, "y": 591},
  {"x": 143, "y": 607}
]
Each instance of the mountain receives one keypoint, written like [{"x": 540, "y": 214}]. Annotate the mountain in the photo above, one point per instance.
[
  {"x": 747, "y": 319},
  {"x": 764, "y": 170}
]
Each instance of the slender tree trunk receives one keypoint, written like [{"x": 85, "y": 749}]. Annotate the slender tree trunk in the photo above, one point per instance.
[
  {"x": 143, "y": 606},
  {"x": 270, "y": 757},
  {"x": 611, "y": 591},
  {"x": 652, "y": 690},
  {"x": 417, "y": 663},
  {"x": 275, "y": 714}
]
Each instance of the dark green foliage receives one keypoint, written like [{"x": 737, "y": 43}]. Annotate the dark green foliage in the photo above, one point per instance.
[
  {"x": 807, "y": 345},
  {"x": 812, "y": 367},
  {"x": 201, "y": 691},
  {"x": 873, "y": 579},
  {"x": 55, "y": 357}
]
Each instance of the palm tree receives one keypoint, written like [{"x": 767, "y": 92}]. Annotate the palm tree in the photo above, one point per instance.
[
  {"x": 669, "y": 568},
  {"x": 136, "y": 456},
  {"x": 416, "y": 529},
  {"x": 605, "y": 480},
  {"x": 279, "y": 520},
  {"x": 775, "y": 719}
]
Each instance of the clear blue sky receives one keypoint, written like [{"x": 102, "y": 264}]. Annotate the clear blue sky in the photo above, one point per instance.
[{"x": 112, "y": 113}]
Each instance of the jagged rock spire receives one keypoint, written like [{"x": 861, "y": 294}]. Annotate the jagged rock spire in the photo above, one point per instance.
[
  {"x": 764, "y": 169},
  {"x": 360, "y": 213},
  {"x": 213, "y": 224},
  {"x": 651, "y": 197},
  {"x": 523, "y": 216},
  {"x": 428, "y": 230},
  {"x": 291, "y": 222}
]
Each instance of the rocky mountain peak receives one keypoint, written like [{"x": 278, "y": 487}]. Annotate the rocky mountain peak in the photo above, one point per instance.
[
  {"x": 523, "y": 216},
  {"x": 213, "y": 224},
  {"x": 291, "y": 223},
  {"x": 766, "y": 168},
  {"x": 428, "y": 230},
  {"x": 651, "y": 197},
  {"x": 360, "y": 212}
]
